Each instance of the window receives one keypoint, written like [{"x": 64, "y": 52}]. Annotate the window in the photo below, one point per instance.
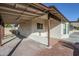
[{"x": 39, "y": 26}]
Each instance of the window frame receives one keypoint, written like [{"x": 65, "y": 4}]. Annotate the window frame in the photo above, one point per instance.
[{"x": 40, "y": 26}]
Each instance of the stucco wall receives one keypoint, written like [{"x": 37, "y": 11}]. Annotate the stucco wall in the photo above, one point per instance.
[
  {"x": 65, "y": 35},
  {"x": 39, "y": 32},
  {"x": 29, "y": 29},
  {"x": 39, "y": 35},
  {"x": 55, "y": 29},
  {"x": 25, "y": 28}
]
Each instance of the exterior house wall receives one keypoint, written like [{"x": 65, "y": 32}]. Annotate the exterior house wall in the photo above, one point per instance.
[
  {"x": 25, "y": 28},
  {"x": 76, "y": 24},
  {"x": 65, "y": 30},
  {"x": 39, "y": 35},
  {"x": 55, "y": 29},
  {"x": 29, "y": 29},
  {"x": 73, "y": 27}
]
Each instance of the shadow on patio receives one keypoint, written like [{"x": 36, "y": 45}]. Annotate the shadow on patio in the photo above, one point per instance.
[
  {"x": 73, "y": 46},
  {"x": 20, "y": 37},
  {"x": 17, "y": 34}
]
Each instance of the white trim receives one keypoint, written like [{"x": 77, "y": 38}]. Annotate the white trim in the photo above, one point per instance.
[{"x": 62, "y": 31}]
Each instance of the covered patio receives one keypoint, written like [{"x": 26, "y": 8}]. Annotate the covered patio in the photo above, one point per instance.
[
  {"x": 22, "y": 14},
  {"x": 19, "y": 14}
]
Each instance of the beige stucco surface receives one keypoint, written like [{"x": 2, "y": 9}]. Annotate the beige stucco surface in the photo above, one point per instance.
[
  {"x": 55, "y": 28},
  {"x": 29, "y": 29}
]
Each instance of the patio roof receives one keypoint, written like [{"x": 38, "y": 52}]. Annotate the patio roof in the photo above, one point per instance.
[
  {"x": 15, "y": 12},
  {"x": 55, "y": 13},
  {"x": 18, "y": 11}
]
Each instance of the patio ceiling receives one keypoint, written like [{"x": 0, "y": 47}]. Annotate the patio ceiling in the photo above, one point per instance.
[{"x": 16, "y": 13}]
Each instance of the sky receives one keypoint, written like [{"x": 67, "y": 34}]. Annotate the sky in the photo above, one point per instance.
[{"x": 69, "y": 10}]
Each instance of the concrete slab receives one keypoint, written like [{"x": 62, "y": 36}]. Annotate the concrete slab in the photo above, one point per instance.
[
  {"x": 74, "y": 37},
  {"x": 5, "y": 49},
  {"x": 29, "y": 47}
]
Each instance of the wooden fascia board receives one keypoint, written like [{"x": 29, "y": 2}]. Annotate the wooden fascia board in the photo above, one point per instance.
[
  {"x": 39, "y": 7},
  {"x": 61, "y": 13}
]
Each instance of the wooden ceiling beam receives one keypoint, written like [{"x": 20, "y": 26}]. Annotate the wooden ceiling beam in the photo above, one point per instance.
[
  {"x": 10, "y": 7},
  {"x": 14, "y": 13}
]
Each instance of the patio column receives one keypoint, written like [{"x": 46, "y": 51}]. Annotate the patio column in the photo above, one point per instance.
[
  {"x": 48, "y": 29},
  {"x": 1, "y": 30}
]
